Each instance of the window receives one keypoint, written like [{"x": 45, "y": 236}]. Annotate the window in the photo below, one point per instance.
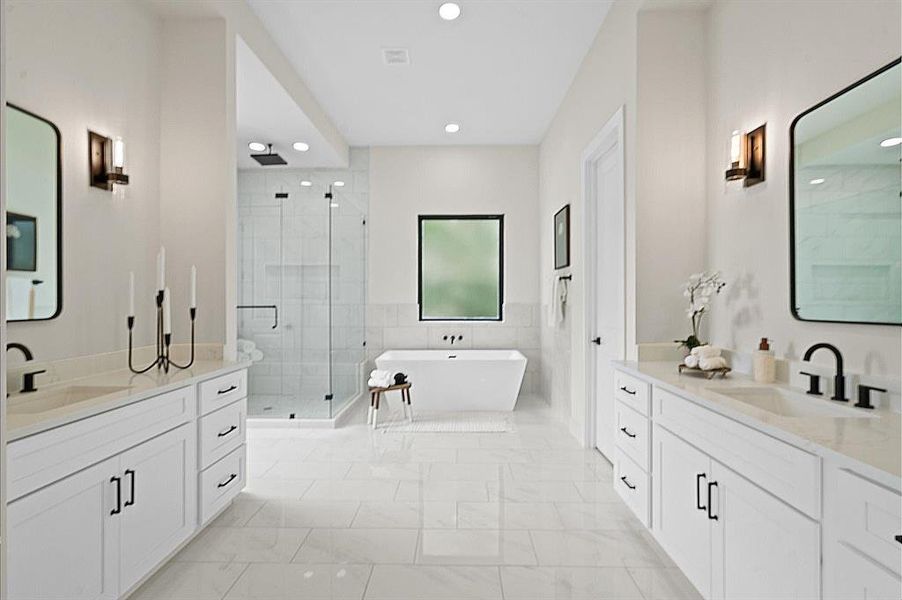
[{"x": 461, "y": 268}]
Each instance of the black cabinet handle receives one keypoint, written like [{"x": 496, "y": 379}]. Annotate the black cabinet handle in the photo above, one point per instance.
[
  {"x": 596, "y": 341},
  {"x": 899, "y": 538},
  {"x": 227, "y": 431},
  {"x": 118, "y": 482},
  {"x": 698, "y": 495},
  {"x": 227, "y": 390},
  {"x": 131, "y": 483},
  {"x": 628, "y": 391},
  {"x": 628, "y": 434},
  {"x": 711, "y": 516},
  {"x": 227, "y": 481},
  {"x": 627, "y": 483}
]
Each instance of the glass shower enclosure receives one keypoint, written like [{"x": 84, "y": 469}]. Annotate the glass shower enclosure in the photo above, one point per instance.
[{"x": 302, "y": 294}]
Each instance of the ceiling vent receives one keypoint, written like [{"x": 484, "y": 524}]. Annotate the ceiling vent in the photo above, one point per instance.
[{"x": 395, "y": 56}]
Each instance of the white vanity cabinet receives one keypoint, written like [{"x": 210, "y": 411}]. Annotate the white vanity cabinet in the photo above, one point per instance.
[{"x": 100, "y": 503}]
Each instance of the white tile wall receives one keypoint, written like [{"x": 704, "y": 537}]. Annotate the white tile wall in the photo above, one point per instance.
[{"x": 397, "y": 327}]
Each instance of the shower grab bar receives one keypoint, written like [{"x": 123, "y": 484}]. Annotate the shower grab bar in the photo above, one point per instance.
[{"x": 273, "y": 307}]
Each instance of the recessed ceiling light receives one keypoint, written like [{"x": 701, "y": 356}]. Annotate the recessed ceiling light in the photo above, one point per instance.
[
  {"x": 301, "y": 146},
  {"x": 449, "y": 11},
  {"x": 257, "y": 147},
  {"x": 890, "y": 142},
  {"x": 452, "y": 128},
  {"x": 339, "y": 183},
  {"x": 306, "y": 183},
  {"x": 817, "y": 181}
]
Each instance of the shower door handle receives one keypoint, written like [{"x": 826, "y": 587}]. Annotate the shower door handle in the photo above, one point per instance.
[{"x": 272, "y": 307}]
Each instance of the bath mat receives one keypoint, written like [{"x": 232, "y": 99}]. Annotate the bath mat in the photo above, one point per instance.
[{"x": 450, "y": 422}]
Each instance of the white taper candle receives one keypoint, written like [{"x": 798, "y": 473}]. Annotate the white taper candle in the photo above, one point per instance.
[
  {"x": 161, "y": 269},
  {"x": 193, "y": 287},
  {"x": 167, "y": 312},
  {"x": 131, "y": 293}
]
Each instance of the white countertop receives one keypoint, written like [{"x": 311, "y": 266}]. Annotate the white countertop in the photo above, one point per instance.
[
  {"x": 873, "y": 444},
  {"x": 20, "y": 424}
]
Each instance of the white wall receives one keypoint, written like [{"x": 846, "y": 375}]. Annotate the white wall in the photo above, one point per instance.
[
  {"x": 198, "y": 173},
  {"x": 670, "y": 168},
  {"x": 409, "y": 181},
  {"x": 63, "y": 55},
  {"x": 605, "y": 82},
  {"x": 804, "y": 52}
]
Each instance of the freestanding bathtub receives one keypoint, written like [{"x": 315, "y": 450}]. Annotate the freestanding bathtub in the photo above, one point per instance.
[{"x": 455, "y": 380}]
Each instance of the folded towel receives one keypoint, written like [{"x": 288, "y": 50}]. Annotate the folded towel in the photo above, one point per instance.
[
  {"x": 714, "y": 362},
  {"x": 706, "y": 351},
  {"x": 381, "y": 374},
  {"x": 380, "y": 383},
  {"x": 691, "y": 361}
]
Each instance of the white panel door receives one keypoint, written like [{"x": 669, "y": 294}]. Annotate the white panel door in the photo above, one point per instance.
[
  {"x": 761, "y": 547},
  {"x": 681, "y": 522},
  {"x": 63, "y": 539},
  {"x": 610, "y": 316},
  {"x": 159, "y": 489}
]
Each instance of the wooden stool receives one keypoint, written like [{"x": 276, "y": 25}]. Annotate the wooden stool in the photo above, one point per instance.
[{"x": 376, "y": 398}]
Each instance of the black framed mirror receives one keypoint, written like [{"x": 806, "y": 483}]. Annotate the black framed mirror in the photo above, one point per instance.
[
  {"x": 34, "y": 217},
  {"x": 845, "y": 204}
]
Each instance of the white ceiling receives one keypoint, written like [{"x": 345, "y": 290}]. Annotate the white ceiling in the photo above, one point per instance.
[
  {"x": 500, "y": 70},
  {"x": 267, "y": 114}
]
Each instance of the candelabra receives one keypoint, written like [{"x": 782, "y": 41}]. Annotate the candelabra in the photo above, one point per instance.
[{"x": 164, "y": 339}]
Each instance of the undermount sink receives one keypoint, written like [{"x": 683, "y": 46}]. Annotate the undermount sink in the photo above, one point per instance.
[
  {"x": 791, "y": 404},
  {"x": 39, "y": 402}
]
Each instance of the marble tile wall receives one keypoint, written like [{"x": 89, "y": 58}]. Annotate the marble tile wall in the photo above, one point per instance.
[{"x": 397, "y": 327}]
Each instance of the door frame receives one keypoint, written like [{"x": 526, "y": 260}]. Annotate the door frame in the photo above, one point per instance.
[{"x": 611, "y": 135}]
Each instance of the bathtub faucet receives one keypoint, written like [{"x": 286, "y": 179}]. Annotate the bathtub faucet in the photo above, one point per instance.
[{"x": 452, "y": 338}]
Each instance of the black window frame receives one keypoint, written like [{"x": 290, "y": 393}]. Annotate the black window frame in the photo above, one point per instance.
[{"x": 445, "y": 217}]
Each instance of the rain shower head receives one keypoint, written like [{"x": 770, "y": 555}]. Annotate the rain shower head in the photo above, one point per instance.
[{"x": 270, "y": 159}]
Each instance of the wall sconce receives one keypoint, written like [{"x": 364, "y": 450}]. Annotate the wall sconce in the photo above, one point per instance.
[
  {"x": 747, "y": 157},
  {"x": 107, "y": 161}
]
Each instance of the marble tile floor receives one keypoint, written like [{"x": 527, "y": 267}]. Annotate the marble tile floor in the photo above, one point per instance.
[{"x": 356, "y": 514}]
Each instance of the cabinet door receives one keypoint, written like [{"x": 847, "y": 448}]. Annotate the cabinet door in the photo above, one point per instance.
[
  {"x": 63, "y": 539},
  {"x": 761, "y": 547},
  {"x": 680, "y": 522},
  {"x": 860, "y": 578},
  {"x": 159, "y": 490}
]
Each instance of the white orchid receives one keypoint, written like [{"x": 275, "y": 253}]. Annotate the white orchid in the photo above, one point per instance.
[{"x": 699, "y": 290}]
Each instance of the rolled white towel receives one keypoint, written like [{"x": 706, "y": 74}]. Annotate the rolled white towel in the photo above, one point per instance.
[
  {"x": 256, "y": 355},
  {"x": 691, "y": 361},
  {"x": 246, "y": 346},
  {"x": 714, "y": 362},
  {"x": 380, "y": 383},
  {"x": 381, "y": 374},
  {"x": 706, "y": 351}
]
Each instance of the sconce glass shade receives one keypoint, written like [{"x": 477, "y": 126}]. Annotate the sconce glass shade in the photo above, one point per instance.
[
  {"x": 736, "y": 168},
  {"x": 118, "y": 153}
]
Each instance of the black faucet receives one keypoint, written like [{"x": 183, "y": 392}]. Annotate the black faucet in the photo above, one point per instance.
[
  {"x": 27, "y": 378},
  {"x": 839, "y": 380}
]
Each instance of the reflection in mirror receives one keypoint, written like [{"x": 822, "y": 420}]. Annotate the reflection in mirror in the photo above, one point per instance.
[
  {"x": 846, "y": 204},
  {"x": 33, "y": 217}
]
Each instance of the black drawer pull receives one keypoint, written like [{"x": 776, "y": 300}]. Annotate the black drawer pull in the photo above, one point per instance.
[
  {"x": 698, "y": 495},
  {"x": 627, "y": 483},
  {"x": 711, "y": 515},
  {"x": 131, "y": 497},
  {"x": 227, "y": 431},
  {"x": 231, "y": 388},
  {"x": 899, "y": 538},
  {"x": 628, "y": 434},
  {"x": 623, "y": 388},
  {"x": 118, "y": 483},
  {"x": 227, "y": 481}
]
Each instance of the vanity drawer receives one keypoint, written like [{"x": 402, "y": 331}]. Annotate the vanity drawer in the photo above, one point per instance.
[
  {"x": 632, "y": 434},
  {"x": 791, "y": 474},
  {"x": 41, "y": 459},
  {"x": 633, "y": 485},
  {"x": 222, "y": 431},
  {"x": 632, "y": 391},
  {"x": 870, "y": 518},
  {"x": 222, "y": 390},
  {"x": 221, "y": 482}
]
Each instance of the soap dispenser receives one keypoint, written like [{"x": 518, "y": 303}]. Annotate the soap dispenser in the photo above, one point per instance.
[{"x": 764, "y": 366}]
